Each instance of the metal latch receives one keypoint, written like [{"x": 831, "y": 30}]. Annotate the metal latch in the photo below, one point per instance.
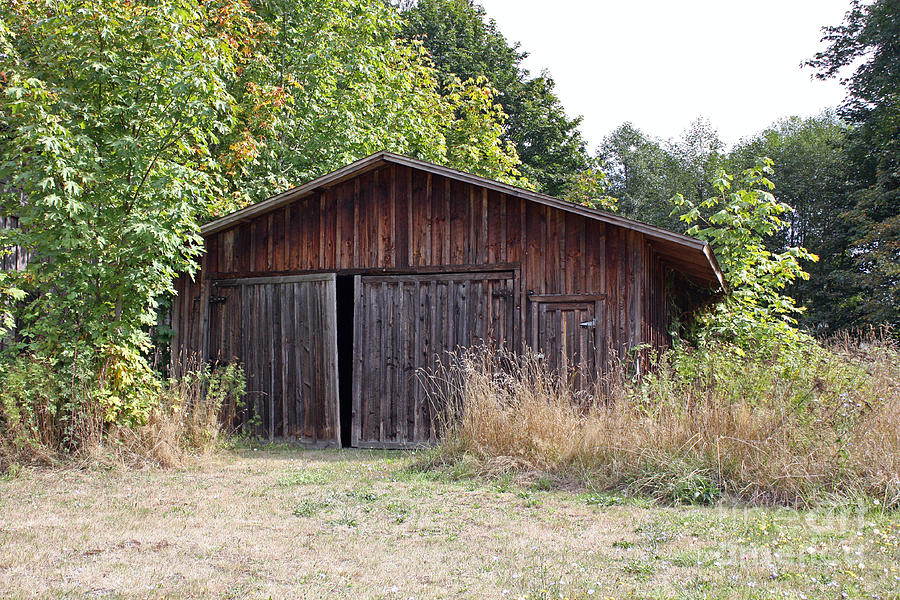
[{"x": 589, "y": 324}]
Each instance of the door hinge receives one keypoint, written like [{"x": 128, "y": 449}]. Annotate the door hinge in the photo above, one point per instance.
[
  {"x": 503, "y": 293},
  {"x": 589, "y": 324},
  {"x": 217, "y": 299}
]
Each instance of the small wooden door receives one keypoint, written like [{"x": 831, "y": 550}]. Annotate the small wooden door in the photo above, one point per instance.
[
  {"x": 405, "y": 323},
  {"x": 283, "y": 331},
  {"x": 568, "y": 331}
]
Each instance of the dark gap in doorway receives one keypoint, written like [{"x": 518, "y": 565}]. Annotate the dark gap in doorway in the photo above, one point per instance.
[{"x": 344, "y": 314}]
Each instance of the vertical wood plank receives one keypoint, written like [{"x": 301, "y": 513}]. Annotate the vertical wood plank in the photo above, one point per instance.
[
  {"x": 495, "y": 230},
  {"x": 331, "y": 367},
  {"x": 277, "y": 262},
  {"x": 210, "y": 255},
  {"x": 356, "y": 384},
  {"x": 533, "y": 261},
  {"x": 311, "y": 231},
  {"x": 420, "y": 219},
  {"x": 428, "y": 254},
  {"x": 346, "y": 207},
  {"x": 573, "y": 254},
  {"x": 401, "y": 226},
  {"x": 269, "y": 243},
  {"x": 303, "y": 374},
  {"x": 322, "y": 231},
  {"x": 330, "y": 230},
  {"x": 228, "y": 241},
  {"x": 357, "y": 215},
  {"x": 270, "y": 355},
  {"x": 438, "y": 220},
  {"x": 459, "y": 204},
  {"x": 285, "y": 337},
  {"x": 295, "y": 236}
]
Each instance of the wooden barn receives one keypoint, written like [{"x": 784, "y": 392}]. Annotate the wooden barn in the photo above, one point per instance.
[{"x": 333, "y": 294}]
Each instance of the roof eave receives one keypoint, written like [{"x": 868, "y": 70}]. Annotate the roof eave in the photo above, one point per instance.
[{"x": 714, "y": 265}]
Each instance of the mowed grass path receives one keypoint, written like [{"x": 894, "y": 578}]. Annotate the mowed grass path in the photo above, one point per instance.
[{"x": 287, "y": 523}]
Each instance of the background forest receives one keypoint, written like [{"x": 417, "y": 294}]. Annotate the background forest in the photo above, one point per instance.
[
  {"x": 125, "y": 125},
  {"x": 838, "y": 170}
]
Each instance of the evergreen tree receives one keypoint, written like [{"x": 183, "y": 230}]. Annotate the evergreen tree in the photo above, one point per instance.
[
  {"x": 869, "y": 38},
  {"x": 463, "y": 42}
]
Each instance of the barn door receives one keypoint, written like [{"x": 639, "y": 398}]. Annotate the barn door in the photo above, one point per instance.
[
  {"x": 568, "y": 331},
  {"x": 405, "y": 323},
  {"x": 283, "y": 330}
]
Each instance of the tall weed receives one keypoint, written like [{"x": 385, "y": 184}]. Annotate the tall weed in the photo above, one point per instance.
[
  {"x": 48, "y": 415},
  {"x": 796, "y": 428},
  {"x": 189, "y": 418}
]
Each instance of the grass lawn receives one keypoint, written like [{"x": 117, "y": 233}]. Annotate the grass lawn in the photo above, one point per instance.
[{"x": 288, "y": 523}]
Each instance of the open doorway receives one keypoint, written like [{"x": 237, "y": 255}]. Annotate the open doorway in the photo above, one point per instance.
[{"x": 344, "y": 313}]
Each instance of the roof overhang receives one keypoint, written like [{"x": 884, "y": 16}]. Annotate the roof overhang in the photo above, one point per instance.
[{"x": 691, "y": 256}]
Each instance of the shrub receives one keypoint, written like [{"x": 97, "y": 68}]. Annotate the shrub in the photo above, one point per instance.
[
  {"x": 44, "y": 409},
  {"x": 796, "y": 428},
  {"x": 125, "y": 413},
  {"x": 188, "y": 417},
  {"x": 755, "y": 312}
]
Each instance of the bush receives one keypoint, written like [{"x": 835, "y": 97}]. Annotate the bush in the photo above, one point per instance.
[
  {"x": 189, "y": 417},
  {"x": 44, "y": 410},
  {"x": 125, "y": 414},
  {"x": 797, "y": 428}
]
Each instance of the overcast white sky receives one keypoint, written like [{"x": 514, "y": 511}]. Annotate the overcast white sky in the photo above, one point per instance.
[{"x": 662, "y": 63}]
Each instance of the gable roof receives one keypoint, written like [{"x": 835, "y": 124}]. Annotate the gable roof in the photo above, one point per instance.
[{"x": 689, "y": 255}]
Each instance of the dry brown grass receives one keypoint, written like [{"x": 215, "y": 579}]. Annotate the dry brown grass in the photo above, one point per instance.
[
  {"x": 185, "y": 420},
  {"x": 284, "y": 523},
  {"x": 794, "y": 430}
]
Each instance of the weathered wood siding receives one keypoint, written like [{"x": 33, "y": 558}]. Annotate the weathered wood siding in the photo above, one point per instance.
[
  {"x": 404, "y": 323},
  {"x": 569, "y": 331},
  {"x": 284, "y": 331},
  {"x": 400, "y": 220},
  {"x": 12, "y": 258}
]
